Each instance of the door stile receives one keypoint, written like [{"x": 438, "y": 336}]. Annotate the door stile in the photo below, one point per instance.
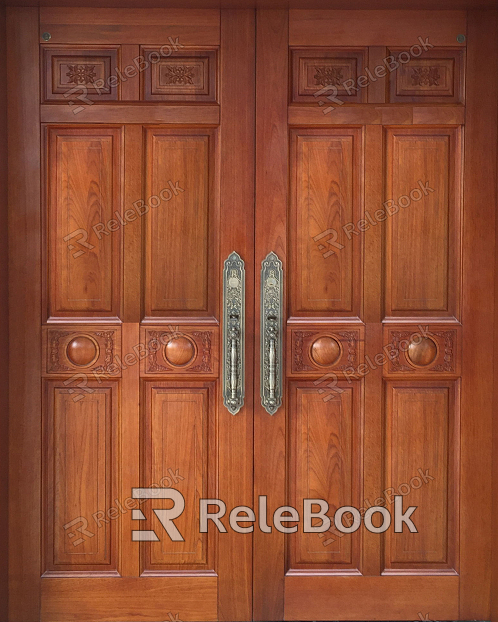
[
  {"x": 271, "y": 235},
  {"x": 24, "y": 144},
  {"x": 235, "y": 432},
  {"x": 479, "y": 222},
  {"x": 372, "y": 411},
  {"x": 129, "y": 424}
]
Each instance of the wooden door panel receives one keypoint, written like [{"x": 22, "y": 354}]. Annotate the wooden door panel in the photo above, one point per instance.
[
  {"x": 147, "y": 599},
  {"x": 381, "y": 160},
  {"x": 422, "y": 448},
  {"x": 392, "y": 597},
  {"x": 189, "y": 76},
  {"x": 325, "y": 195},
  {"x": 324, "y": 463},
  {"x": 83, "y": 194},
  {"x": 179, "y": 425},
  {"x": 184, "y": 159},
  {"x": 69, "y": 69},
  {"x": 438, "y": 77},
  {"x": 137, "y": 181},
  {"x": 81, "y": 466},
  {"x": 423, "y": 179}
]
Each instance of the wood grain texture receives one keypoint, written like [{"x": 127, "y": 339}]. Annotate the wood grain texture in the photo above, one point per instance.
[
  {"x": 367, "y": 114},
  {"x": 129, "y": 450},
  {"x": 117, "y": 25},
  {"x": 144, "y": 599},
  {"x": 422, "y": 435},
  {"x": 132, "y": 234},
  {"x": 326, "y": 196},
  {"x": 360, "y": 27},
  {"x": 131, "y": 113},
  {"x": 237, "y": 169},
  {"x": 81, "y": 470},
  {"x": 272, "y": 157},
  {"x": 4, "y": 337},
  {"x": 366, "y": 599},
  {"x": 178, "y": 434},
  {"x": 324, "y": 462},
  {"x": 24, "y": 313},
  {"x": 84, "y": 233},
  {"x": 423, "y": 181},
  {"x": 373, "y": 422},
  {"x": 180, "y": 164},
  {"x": 477, "y": 314}
]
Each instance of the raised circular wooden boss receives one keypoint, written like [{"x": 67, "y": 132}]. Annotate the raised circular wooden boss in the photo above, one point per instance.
[
  {"x": 82, "y": 351},
  {"x": 179, "y": 351},
  {"x": 422, "y": 351},
  {"x": 325, "y": 351}
]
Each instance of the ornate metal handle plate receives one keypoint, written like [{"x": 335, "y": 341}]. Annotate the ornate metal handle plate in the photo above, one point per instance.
[
  {"x": 233, "y": 333},
  {"x": 271, "y": 333}
]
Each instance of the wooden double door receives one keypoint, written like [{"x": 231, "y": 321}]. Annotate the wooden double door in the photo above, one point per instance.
[{"x": 251, "y": 252}]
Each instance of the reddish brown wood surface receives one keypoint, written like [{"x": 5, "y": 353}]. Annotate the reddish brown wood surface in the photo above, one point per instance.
[
  {"x": 4, "y": 340},
  {"x": 261, "y": 168},
  {"x": 25, "y": 314}
]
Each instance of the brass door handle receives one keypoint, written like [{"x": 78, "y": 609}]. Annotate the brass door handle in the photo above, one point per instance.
[
  {"x": 233, "y": 332},
  {"x": 271, "y": 333}
]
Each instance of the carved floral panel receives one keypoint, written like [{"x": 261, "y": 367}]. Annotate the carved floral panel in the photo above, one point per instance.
[
  {"x": 436, "y": 76},
  {"x": 179, "y": 76},
  {"x": 71, "y": 73},
  {"x": 180, "y": 350},
  {"x": 422, "y": 349},
  {"x": 328, "y": 72},
  {"x": 87, "y": 349},
  {"x": 313, "y": 349}
]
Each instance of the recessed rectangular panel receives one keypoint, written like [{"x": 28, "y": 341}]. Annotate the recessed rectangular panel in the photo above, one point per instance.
[
  {"x": 421, "y": 453},
  {"x": 434, "y": 77},
  {"x": 75, "y": 74},
  {"x": 423, "y": 222},
  {"x": 79, "y": 462},
  {"x": 177, "y": 425},
  {"x": 83, "y": 230},
  {"x": 179, "y": 249},
  {"x": 179, "y": 76},
  {"x": 325, "y": 202},
  {"x": 314, "y": 70},
  {"x": 324, "y": 464}
]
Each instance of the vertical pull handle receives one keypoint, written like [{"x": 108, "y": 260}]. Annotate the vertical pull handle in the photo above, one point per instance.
[
  {"x": 271, "y": 333},
  {"x": 233, "y": 367},
  {"x": 273, "y": 367},
  {"x": 233, "y": 332}
]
